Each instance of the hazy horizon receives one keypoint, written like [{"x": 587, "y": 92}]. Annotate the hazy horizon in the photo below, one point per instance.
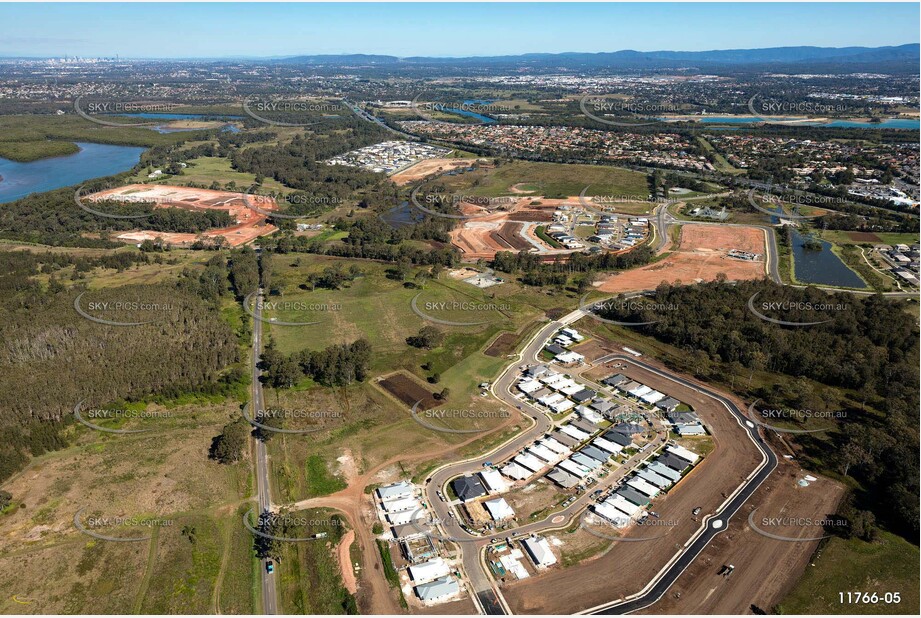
[{"x": 264, "y": 31}]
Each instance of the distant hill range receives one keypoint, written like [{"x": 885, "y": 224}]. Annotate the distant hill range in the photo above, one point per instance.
[{"x": 837, "y": 59}]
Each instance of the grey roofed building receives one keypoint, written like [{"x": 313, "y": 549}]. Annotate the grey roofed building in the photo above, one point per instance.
[
  {"x": 663, "y": 470},
  {"x": 628, "y": 428},
  {"x": 656, "y": 479},
  {"x": 618, "y": 438},
  {"x": 584, "y": 425},
  {"x": 691, "y": 430},
  {"x": 668, "y": 404},
  {"x": 438, "y": 589},
  {"x": 562, "y": 478},
  {"x": 536, "y": 370},
  {"x": 595, "y": 453},
  {"x": 555, "y": 349},
  {"x": 564, "y": 439},
  {"x": 615, "y": 380},
  {"x": 584, "y": 395},
  {"x": 586, "y": 461},
  {"x": 633, "y": 496},
  {"x": 673, "y": 461},
  {"x": 683, "y": 418},
  {"x": 541, "y": 393},
  {"x": 468, "y": 488},
  {"x": 629, "y": 386},
  {"x": 410, "y": 530},
  {"x": 603, "y": 406}
]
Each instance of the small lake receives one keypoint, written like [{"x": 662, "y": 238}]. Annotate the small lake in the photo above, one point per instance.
[
  {"x": 93, "y": 161},
  {"x": 889, "y": 123},
  {"x": 822, "y": 267},
  {"x": 402, "y": 215},
  {"x": 167, "y": 116}
]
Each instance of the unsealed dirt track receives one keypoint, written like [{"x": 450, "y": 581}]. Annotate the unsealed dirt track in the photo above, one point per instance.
[
  {"x": 628, "y": 566},
  {"x": 701, "y": 255}
]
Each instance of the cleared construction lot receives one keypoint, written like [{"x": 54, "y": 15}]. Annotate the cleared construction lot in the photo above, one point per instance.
[
  {"x": 700, "y": 256},
  {"x": 250, "y": 224}
]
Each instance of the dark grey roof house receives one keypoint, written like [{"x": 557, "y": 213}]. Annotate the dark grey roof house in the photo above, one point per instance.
[{"x": 468, "y": 488}]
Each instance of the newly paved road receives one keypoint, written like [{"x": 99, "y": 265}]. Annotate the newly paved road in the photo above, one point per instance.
[
  {"x": 715, "y": 523},
  {"x": 471, "y": 547},
  {"x": 263, "y": 490}
]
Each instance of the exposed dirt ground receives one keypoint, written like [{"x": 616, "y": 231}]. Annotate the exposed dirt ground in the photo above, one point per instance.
[
  {"x": 491, "y": 232},
  {"x": 250, "y": 224},
  {"x": 428, "y": 167},
  {"x": 765, "y": 569},
  {"x": 345, "y": 562},
  {"x": 701, "y": 255},
  {"x": 605, "y": 578}
]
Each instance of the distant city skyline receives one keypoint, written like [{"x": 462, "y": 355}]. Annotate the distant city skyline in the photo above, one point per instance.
[{"x": 227, "y": 30}]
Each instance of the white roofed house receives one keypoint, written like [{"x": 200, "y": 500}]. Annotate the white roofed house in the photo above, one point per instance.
[
  {"x": 529, "y": 386},
  {"x": 439, "y": 589},
  {"x": 539, "y": 551},
  {"x": 569, "y": 358},
  {"x": 427, "y": 571},
  {"x": 515, "y": 471},
  {"x": 562, "y": 406},
  {"x": 499, "y": 509},
  {"x": 402, "y": 489},
  {"x": 529, "y": 461},
  {"x": 493, "y": 481},
  {"x": 643, "y": 486},
  {"x": 683, "y": 453}
]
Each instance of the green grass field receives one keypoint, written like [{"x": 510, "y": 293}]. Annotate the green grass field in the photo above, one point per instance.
[
  {"x": 887, "y": 565},
  {"x": 549, "y": 180},
  {"x": 206, "y": 170}
]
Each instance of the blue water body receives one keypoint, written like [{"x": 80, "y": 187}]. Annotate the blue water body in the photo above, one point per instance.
[
  {"x": 890, "y": 123},
  {"x": 469, "y": 114},
  {"x": 402, "y": 215},
  {"x": 93, "y": 161},
  {"x": 822, "y": 267},
  {"x": 167, "y": 116}
]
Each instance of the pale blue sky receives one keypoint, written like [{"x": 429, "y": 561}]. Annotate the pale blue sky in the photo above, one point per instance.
[{"x": 440, "y": 29}]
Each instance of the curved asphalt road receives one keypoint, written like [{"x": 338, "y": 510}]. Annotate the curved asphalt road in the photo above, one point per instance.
[
  {"x": 470, "y": 549},
  {"x": 715, "y": 523}
]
